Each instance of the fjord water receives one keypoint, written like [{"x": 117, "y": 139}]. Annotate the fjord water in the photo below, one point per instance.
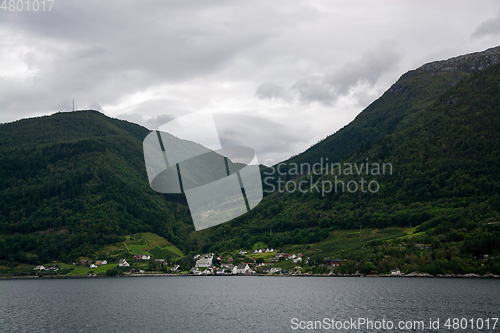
[{"x": 236, "y": 304}]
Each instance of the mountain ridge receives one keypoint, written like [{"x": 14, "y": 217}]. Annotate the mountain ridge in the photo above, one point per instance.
[
  {"x": 70, "y": 190},
  {"x": 396, "y": 106}
]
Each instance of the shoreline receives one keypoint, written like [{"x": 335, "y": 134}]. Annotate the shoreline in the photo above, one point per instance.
[{"x": 411, "y": 275}]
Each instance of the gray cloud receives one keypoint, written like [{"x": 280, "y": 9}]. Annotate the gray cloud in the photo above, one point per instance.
[
  {"x": 300, "y": 69},
  {"x": 269, "y": 138},
  {"x": 111, "y": 50},
  {"x": 150, "y": 123},
  {"x": 488, "y": 27},
  {"x": 270, "y": 90},
  {"x": 327, "y": 88}
]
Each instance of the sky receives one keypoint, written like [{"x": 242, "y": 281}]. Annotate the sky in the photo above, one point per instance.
[{"x": 279, "y": 75}]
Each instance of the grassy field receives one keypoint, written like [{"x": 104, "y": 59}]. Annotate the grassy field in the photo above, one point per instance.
[
  {"x": 175, "y": 250},
  {"x": 265, "y": 255},
  {"x": 84, "y": 270},
  {"x": 259, "y": 245},
  {"x": 286, "y": 264},
  {"x": 144, "y": 243},
  {"x": 341, "y": 240},
  {"x": 345, "y": 240}
]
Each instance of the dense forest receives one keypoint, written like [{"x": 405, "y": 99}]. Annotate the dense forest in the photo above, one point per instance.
[{"x": 74, "y": 182}]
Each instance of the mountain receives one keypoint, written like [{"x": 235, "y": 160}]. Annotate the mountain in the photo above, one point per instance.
[
  {"x": 74, "y": 183},
  {"x": 439, "y": 128},
  {"x": 414, "y": 91}
]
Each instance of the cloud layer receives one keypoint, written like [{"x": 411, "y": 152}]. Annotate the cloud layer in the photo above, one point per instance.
[
  {"x": 327, "y": 88},
  {"x": 290, "y": 72}
]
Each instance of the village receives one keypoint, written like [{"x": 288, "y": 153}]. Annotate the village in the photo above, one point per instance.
[
  {"x": 240, "y": 263},
  {"x": 264, "y": 261}
]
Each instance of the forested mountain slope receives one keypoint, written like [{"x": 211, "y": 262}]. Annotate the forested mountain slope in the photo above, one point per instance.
[{"x": 74, "y": 182}]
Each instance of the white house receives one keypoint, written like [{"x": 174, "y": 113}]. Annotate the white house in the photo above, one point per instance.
[
  {"x": 296, "y": 260},
  {"x": 275, "y": 270},
  {"x": 243, "y": 252},
  {"x": 104, "y": 262},
  {"x": 270, "y": 270},
  {"x": 395, "y": 272},
  {"x": 123, "y": 263},
  {"x": 39, "y": 268},
  {"x": 93, "y": 266},
  {"x": 145, "y": 257},
  {"x": 204, "y": 262},
  {"x": 243, "y": 268}
]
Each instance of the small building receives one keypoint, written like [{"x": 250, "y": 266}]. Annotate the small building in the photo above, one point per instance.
[
  {"x": 123, "y": 263},
  {"x": 39, "y": 268},
  {"x": 243, "y": 268},
  {"x": 265, "y": 270},
  {"x": 204, "y": 262},
  {"x": 52, "y": 267},
  {"x": 270, "y": 270},
  {"x": 396, "y": 272},
  {"x": 275, "y": 270},
  {"x": 332, "y": 262}
]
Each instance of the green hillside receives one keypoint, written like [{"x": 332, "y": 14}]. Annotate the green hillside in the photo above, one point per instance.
[
  {"x": 445, "y": 180},
  {"x": 414, "y": 91},
  {"x": 74, "y": 182},
  {"x": 75, "y": 185}
]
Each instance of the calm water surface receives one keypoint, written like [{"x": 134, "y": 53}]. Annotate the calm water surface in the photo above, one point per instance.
[{"x": 237, "y": 304}]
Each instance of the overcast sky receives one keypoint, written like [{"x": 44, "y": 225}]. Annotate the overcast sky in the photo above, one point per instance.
[{"x": 283, "y": 74}]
